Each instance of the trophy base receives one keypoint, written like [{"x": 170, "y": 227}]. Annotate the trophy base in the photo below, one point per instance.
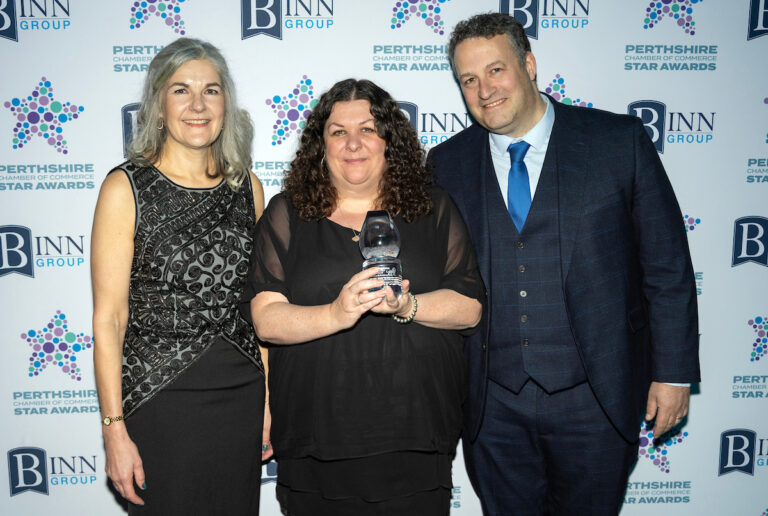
[{"x": 390, "y": 271}]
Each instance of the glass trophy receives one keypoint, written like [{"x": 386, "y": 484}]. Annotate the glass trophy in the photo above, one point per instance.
[{"x": 380, "y": 244}]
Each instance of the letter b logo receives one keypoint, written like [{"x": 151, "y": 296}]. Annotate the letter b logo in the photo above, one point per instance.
[
  {"x": 16, "y": 251},
  {"x": 750, "y": 241},
  {"x": 524, "y": 11},
  {"x": 8, "y": 28},
  {"x": 27, "y": 470},
  {"x": 737, "y": 451},
  {"x": 652, "y": 113},
  {"x": 261, "y": 17}
]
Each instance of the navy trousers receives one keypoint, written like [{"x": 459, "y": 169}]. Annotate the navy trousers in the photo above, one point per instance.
[{"x": 548, "y": 454}]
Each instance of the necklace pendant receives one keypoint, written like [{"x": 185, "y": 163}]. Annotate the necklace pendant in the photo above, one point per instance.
[{"x": 356, "y": 238}]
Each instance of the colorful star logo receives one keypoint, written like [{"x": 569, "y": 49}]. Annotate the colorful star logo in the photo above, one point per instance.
[
  {"x": 690, "y": 222},
  {"x": 556, "y": 90},
  {"x": 658, "y": 452},
  {"x": 679, "y": 10},
  {"x": 169, "y": 11},
  {"x": 760, "y": 345},
  {"x": 38, "y": 114},
  {"x": 428, "y": 10},
  {"x": 292, "y": 110},
  {"x": 56, "y": 346}
]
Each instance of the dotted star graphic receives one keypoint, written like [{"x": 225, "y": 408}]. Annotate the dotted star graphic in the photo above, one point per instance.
[
  {"x": 679, "y": 10},
  {"x": 690, "y": 222},
  {"x": 760, "y": 345},
  {"x": 428, "y": 10},
  {"x": 38, "y": 114},
  {"x": 655, "y": 451},
  {"x": 56, "y": 346},
  {"x": 765, "y": 101},
  {"x": 556, "y": 90},
  {"x": 292, "y": 110},
  {"x": 169, "y": 11}
]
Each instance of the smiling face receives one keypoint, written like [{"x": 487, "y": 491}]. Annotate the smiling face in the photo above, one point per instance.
[
  {"x": 193, "y": 107},
  {"x": 499, "y": 92},
  {"x": 354, "y": 152}
]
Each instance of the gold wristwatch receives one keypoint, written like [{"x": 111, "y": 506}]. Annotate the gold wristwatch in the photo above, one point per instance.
[{"x": 109, "y": 420}]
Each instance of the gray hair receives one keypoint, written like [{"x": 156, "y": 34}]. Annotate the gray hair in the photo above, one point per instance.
[
  {"x": 488, "y": 25},
  {"x": 231, "y": 150}
]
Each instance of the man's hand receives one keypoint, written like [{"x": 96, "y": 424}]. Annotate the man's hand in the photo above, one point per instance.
[{"x": 668, "y": 404}]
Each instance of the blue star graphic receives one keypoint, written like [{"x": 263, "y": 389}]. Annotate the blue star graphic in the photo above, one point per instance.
[
  {"x": 292, "y": 110},
  {"x": 39, "y": 114},
  {"x": 430, "y": 12},
  {"x": 56, "y": 346},
  {"x": 167, "y": 10}
]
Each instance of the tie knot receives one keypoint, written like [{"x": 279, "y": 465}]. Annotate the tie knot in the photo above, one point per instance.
[{"x": 517, "y": 151}]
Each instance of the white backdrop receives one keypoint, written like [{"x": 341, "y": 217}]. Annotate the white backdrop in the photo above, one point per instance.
[{"x": 696, "y": 73}]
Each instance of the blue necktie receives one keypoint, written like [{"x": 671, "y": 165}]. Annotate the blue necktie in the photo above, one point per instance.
[{"x": 518, "y": 187}]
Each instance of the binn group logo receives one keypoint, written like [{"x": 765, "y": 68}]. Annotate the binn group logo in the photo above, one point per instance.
[
  {"x": 680, "y": 12},
  {"x": 292, "y": 110},
  {"x": 750, "y": 241},
  {"x": 32, "y": 469},
  {"x": 429, "y": 11},
  {"x": 32, "y": 16},
  {"x": 758, "y": 19},
  {"x": 269, "y": 472},
  {"x": 657, "y": 451},
  {"x": 547, "y": 15},
  {"x": 55, "y": 346},
  {"x": 434, "y": 127},
  {"x": 741, "y": 450},
  {"x": 270, "y": 17},
  {"x": 21, "y": 252},
  {"x": 673, "y": 127},
  {"x": 41, "y": 115},
  {"x": 168, "y": 12}
]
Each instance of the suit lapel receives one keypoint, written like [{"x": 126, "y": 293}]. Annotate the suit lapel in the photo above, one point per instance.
[
  {"x": 473, "y": 165},
  {"x": 569, "y": 157}
]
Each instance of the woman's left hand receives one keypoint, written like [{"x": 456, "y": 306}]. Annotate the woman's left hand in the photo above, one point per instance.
[
  {"x": 266, "y": 445},
  {"x": 393, "y": 304}
]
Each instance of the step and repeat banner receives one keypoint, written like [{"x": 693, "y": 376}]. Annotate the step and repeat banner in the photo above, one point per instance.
[{"x": 695, "y": 72}]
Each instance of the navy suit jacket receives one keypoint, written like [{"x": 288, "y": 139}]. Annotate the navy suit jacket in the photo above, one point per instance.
[{"x": 627, "y": 276}]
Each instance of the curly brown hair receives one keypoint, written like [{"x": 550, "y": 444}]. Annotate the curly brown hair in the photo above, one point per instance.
[{"x": 404, "y": 187}]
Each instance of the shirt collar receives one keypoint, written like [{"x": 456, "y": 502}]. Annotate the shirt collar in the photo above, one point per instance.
[{"x": 537, "y": 137}]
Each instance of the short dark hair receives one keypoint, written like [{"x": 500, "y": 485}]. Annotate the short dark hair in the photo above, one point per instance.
[
  {"x": 404, "y": 188},
  {"x": 488, "y": 25}
]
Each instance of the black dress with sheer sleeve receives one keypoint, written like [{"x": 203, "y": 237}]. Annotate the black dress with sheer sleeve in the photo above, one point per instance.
[{"x": 372, "y": 413}]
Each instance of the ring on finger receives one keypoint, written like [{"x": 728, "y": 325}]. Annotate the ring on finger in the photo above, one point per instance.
[{"x": 358, "y": 300}]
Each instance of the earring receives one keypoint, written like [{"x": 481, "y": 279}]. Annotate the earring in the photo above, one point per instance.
[
  {"x": 161, "y": 125},
  {"x": 322, "y": 164}
]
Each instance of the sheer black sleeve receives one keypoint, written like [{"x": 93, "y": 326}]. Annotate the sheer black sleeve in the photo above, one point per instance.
[
  {"x": 269, "y": 254},
  {"x": 460, "y": 273}
]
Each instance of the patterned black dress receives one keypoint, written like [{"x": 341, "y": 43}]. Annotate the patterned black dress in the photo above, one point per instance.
[{"x": 193, "y": 381}]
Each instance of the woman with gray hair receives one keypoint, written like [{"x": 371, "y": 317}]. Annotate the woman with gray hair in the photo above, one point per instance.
[{"x": 179, "y": 372}]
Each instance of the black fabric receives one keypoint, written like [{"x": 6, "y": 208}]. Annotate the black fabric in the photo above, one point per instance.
[
  {"x": 370, "y": 479},
  {"x": 200, "y": 438},
  {"x": 427, "y": 503},
  {"x": 381, "y": 386}
]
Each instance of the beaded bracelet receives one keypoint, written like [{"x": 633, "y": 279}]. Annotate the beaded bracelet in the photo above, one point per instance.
[{"x": 406, "y": 320}]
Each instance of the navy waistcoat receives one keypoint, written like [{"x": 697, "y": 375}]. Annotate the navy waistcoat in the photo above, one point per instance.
[{"x": 530, "y": 333}]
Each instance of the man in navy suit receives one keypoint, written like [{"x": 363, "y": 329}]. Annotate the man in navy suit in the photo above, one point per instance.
[{"x": 591, "y": 318}]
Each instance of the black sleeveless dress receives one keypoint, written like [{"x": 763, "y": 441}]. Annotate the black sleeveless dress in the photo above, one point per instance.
[{"x": 193, "y": 382}]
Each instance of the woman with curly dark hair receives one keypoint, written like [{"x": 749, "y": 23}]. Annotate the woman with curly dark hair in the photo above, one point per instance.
[{"x": 365, "y": 386}]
